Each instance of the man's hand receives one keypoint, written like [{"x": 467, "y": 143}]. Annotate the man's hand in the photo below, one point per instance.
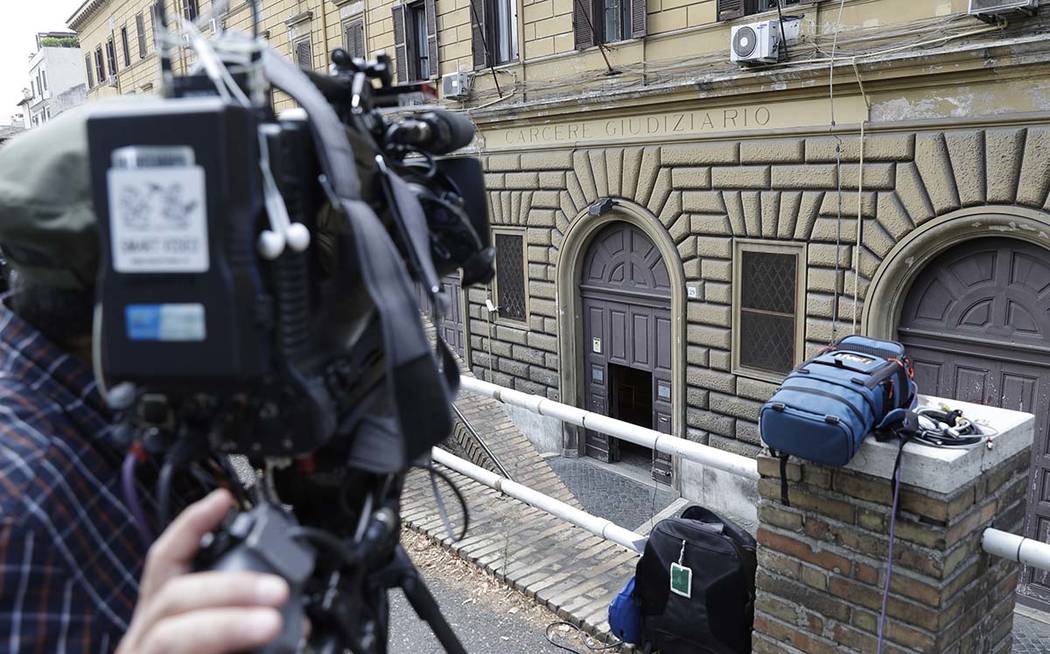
[{"x": 204, "y": 612}]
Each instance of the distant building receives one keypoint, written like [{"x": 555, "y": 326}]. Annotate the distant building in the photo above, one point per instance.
[
  {"x": 57, "y": 78},
  {"x": 7, "y": 132}
]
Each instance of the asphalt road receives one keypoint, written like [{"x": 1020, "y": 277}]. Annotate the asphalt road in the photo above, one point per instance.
[
  {"x": 488, "y": 617},
  {"x": 482, "y": 629}
]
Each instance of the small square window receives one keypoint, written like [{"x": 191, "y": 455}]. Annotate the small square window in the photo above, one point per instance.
[{"x": 768, "y": 329}]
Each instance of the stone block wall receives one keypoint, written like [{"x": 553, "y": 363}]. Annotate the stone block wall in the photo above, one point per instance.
[
  {"x": 822, "y": 562},
  {"x": 708, "y": 194}
]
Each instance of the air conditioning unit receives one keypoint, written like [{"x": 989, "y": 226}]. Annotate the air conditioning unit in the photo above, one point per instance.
[
  {"x": 755, "y": 43},
  {"x": 456, "y": 86},
  {"x": 990, "y": 8}
]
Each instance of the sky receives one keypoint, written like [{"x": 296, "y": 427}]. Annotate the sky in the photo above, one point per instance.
[{"x": 21, "y": 22}]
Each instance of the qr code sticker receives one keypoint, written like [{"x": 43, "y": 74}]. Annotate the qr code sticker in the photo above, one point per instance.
[{"x": 158, "y": 220}]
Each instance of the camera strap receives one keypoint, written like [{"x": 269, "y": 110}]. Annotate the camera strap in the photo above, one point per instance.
[{"x": 411, "y": 369}]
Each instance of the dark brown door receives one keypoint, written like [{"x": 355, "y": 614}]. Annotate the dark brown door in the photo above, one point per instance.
[
  {"x": 976, "y": 323},
  {"x": 626, "y": 295},
  {"x": 452, "y": 324}
]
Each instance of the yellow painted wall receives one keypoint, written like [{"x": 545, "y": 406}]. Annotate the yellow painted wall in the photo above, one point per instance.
[{"x": 677, "y": 31}]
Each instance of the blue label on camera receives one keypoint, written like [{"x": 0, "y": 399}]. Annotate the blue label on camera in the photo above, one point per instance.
[{"x": 165, "y": 322}]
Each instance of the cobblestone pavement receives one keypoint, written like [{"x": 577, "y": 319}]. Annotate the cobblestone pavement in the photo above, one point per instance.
[
  {"x": 1031, "y": 636},
  {"x": 625, "y": 501}
]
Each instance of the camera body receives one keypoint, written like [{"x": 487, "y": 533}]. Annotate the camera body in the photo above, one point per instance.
[{"x": 189, "y": 311}]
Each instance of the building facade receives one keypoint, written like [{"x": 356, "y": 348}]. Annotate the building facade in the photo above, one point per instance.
[
  {"x": 56, "y": 78},
  {"x": 677, "y": 230}
]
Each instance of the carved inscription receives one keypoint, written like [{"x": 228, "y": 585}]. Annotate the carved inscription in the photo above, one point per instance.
[
  {"x": 644, "y": 128},
  {"x": 685, "y": 122}
]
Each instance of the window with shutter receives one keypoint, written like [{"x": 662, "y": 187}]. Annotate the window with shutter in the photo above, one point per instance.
[
  {"x": 501, "y": 21},
  {"x": 510, "y": 276},
  {"x": 354, "y": 38},
  {"x": 304, "y": 54},
  {"x": 608, "y": 21},
  {"x": 768, "y": 294},
  {"x": 90, "y": 74},
  {"x": 730, "y": 9},
  {"x": 43, "y": 79},
  {"x": 479, "y": 39},
  {"x": 190, "y": 9},
  {"x": 124, "y": 44},
  {"x": 111, "y": 57},
  {"x": 583, "y": 23},
  {"x": 100, "y": 66},
  {"x": 400, "y": 43},
  {"x": 140, "y": 29},
  {"x": 433, "y": 69}
]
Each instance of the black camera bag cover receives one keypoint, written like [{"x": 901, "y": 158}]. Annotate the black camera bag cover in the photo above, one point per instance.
[{"x": 717, "y": 616}]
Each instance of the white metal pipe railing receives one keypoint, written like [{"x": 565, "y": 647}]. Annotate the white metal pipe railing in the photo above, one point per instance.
[
  {"x": 704, "y": 454},
  {"x": 598, "y": 526},
  {"x": 1016, "y": 548}
]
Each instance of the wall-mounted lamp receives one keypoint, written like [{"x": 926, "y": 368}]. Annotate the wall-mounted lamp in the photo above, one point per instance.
[{"x": 602, "y": 207}]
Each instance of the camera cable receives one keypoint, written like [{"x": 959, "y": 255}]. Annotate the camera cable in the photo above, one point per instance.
[
  {"x": 435, "y": 472},
  {"x": 584, "y": 637}
]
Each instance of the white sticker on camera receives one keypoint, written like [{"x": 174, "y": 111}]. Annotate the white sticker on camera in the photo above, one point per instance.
[{"x": 158, "y": 219}]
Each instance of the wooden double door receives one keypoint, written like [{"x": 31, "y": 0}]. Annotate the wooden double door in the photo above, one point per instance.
[
  {"x": 976, "y": 323},
  {"x": 625, "y": 295}
]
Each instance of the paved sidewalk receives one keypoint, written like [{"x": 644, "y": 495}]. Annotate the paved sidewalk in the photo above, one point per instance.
[
  {"x": 628, "y": 502},
  {"x": 572, "y": 572},
  {"x": 1031, "y": 635}
]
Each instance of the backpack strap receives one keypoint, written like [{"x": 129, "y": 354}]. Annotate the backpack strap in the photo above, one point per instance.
[{"x": 783, "y": 475}]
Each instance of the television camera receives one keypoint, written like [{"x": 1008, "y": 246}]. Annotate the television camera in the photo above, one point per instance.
[{"x": 257, "y": 297}]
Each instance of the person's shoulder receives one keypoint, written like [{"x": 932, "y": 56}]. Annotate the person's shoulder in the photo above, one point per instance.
[{"x": 29, "y": 424}]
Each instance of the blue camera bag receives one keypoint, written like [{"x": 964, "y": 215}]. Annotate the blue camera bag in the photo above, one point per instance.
[
  {"x": 625, "y": 615},
  {"x": 825, "y": 408}
]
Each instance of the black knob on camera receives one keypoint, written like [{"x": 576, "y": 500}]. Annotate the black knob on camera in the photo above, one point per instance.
[{"x": 262, "y": 540}]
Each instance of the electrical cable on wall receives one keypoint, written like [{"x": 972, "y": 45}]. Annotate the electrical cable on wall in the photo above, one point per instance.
[
  {"x": 838, "y": 177},
  {"x": 860, "y": 197},
  {"x": 711, "y": 69}
]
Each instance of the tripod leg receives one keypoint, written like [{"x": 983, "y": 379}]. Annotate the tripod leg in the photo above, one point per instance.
[{"x": 424, "y": 604}]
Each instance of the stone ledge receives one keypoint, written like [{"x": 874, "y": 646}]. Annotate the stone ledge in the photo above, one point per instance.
[{"x": 943, "y": 470}]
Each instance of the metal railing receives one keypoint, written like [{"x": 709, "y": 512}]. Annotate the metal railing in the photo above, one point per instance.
[
  {"x": 601, "y": 527},
  {"x": 480, "y": 441},
  {"x": 666, "y": 443},
  {"x": 999, "y": 543}
]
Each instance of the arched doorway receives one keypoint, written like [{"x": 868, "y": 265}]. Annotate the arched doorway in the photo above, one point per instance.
[
  {"x": 976, "y": 323},
  {"x": 625, "y": 291}
]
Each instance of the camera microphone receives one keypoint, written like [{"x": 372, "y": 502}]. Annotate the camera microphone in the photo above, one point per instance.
[{"x": 436, "y": 131}]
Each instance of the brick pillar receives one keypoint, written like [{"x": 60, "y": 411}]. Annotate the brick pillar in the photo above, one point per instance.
[{"x": 822, "y": 561}]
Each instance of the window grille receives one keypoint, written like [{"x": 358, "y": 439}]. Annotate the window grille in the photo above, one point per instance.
[
  {"x": 510, "y": 276},
  {"x": 767, "y": 321}
]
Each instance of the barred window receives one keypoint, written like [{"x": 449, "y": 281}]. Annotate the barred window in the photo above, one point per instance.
[
  {"x": 768, "y": 327},
  {"x": 510, "y": 276}
]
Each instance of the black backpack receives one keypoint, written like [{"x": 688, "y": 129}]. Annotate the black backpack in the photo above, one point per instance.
[{"x": 708, "y": 606}]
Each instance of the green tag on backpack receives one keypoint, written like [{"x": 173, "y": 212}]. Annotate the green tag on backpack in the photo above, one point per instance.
[{"x": 681, "y": 580}]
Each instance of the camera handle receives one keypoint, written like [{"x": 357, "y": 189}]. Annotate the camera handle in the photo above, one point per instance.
[{"x": 261, "y": 540}]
